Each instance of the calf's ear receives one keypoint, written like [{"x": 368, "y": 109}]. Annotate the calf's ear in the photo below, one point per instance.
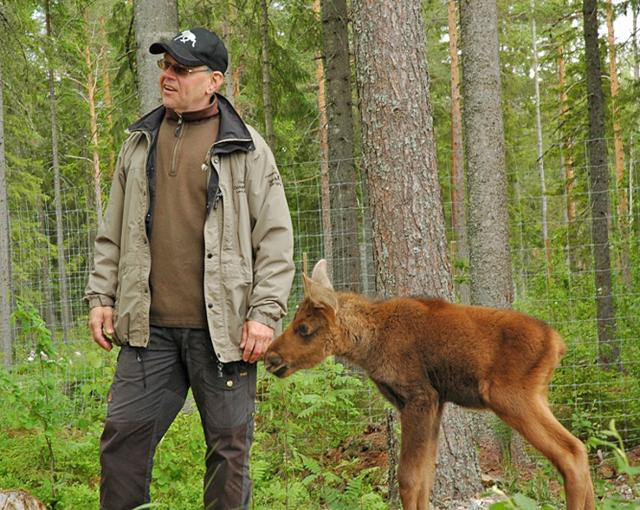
[
  {"x": 320, "y": 274},
  {"x": 319, "y": 295}
]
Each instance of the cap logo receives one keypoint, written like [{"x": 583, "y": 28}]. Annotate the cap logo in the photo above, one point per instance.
[{"x": 185, "y": 37}]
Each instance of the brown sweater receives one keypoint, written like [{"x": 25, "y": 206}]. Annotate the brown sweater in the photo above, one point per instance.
[{"x": 177, "y": 242}]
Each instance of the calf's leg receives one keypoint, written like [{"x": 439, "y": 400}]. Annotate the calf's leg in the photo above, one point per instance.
[
  {"x": 534, "y": 420},
  {"x": 420, "y": 426}
]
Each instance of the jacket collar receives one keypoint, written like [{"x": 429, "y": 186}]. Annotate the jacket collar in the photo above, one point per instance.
[{"x": 233, "y": 134}]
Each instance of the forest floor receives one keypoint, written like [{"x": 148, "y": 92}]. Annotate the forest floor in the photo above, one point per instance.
[{"x": 370, "y": 448}]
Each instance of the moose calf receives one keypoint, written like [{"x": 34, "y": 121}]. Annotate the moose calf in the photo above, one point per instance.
[{"x": 421, "y": 353}]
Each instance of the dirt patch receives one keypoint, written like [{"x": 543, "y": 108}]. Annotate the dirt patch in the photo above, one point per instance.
[{"x": 370, "y": 448}]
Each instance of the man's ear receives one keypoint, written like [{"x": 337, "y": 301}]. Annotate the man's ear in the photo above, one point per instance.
[{"x": 216, "y": 81}]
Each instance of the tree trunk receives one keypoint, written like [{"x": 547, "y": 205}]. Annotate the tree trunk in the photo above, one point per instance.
[
  {"x": 342, "y": 170},
  {"x": 609, "y": 346},
  {"x": 154, "y": 19},
  {"x": 565, "y": 144},
  {"x": 5, "y": 246},
  {"x": 635, "y": 11},
  {"x": 62, "y": 273},
  {"x": 45, "y": 273},
  {"x": 458, "y": 190},
  {"x": 410, "y": 248},
  {"x": 228, "y": 74},
  {"x": 266, "y": 76},
  {"x": 93, "y": 135},
  {"x": 108, "y": 105},
  {"x": 618, "y": 150},
  {"x": 323, "y": 135},
  {"x": 566, "y": 162},
  {"x": 490, "y": 261},
  {"x": 543, "y": 187}
]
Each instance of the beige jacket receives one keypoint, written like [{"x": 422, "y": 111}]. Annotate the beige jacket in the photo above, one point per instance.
[{"x": 248, "y": 238}]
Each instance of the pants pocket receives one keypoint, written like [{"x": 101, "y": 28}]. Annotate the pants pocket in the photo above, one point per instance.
[{"x": 226, "y": 395}]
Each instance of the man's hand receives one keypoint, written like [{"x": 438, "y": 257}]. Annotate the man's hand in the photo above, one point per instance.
[
  {"x": 256, "y": 338},
  {"x": 101, "y": 322}
]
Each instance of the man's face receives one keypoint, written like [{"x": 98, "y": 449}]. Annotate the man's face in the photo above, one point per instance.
[{"x": 188, "y": 92}]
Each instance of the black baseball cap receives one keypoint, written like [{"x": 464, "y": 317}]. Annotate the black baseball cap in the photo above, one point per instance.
[{"x": 195, "y": 47}]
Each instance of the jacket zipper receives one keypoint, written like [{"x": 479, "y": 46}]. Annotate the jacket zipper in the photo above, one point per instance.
[{"x": 178, "y": 134}]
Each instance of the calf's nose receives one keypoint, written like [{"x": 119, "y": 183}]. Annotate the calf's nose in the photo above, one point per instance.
[{"x": 272, "y": 361}]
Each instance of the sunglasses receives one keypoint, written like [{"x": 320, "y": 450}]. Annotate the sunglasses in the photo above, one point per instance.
[{"x": 179, "y": 70}]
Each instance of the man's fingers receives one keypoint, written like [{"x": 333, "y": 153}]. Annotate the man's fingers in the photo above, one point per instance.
[
  {"x": 260, "y": 348},
  {"x": 243, "y": 341},
  {"x": 101, "y": 317},
  {"x": 249, "y": 345},
  {"x": 108, "y": 321},
  {"x": 256, "y": 338}
]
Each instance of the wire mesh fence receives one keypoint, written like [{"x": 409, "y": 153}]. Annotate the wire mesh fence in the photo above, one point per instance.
[{"x": 315, "y": 417}]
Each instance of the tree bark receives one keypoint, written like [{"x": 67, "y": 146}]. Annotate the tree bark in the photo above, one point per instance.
[
  {"x": 565, "y": 144},
  {"x": 609, "y": 346},
  {"x": 108, "y": 105},
  {"x": 618, "y": 150},
  {"x": 93, "y": 134},
  {"x": 345, "y": 256},
  {"x": 62, "y": 273},
  {"x": 5, "y": 246},
  {"x": 228, "y": 74},
  {"x": 458, "y": 186},
  {"x": 154, "y": 19},
  {"x": 266, "y": 76},
  {"x": 543, "y": 187},
  {"x": 491, "y": 282},
  {"x": 45, "y": 273},
  {"x": 490, "y": 260},
  {"x": 635, "y": 11},
  {"x": 566, "y": 162},
  {"x": 323, "y": 135},
  {"x": 410, "y": 248}
]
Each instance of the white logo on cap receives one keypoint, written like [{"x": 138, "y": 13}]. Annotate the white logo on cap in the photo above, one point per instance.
[{"x": 185, "y": 37}]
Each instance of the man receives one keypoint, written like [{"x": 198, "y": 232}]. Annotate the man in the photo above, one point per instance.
[{"x": 193, "y": 266}]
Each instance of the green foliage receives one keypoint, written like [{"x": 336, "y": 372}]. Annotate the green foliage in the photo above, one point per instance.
[
  {"x": 52, "y": 401},
  {"x": 612, "y": 441},
  {"x": 323, "y": 404},
  {"x": 518, "y": 502}
]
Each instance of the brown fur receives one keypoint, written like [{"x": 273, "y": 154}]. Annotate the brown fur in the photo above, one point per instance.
[{"x": 422, "y": 353}]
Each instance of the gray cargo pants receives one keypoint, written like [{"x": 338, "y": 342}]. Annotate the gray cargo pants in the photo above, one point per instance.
[{"x": 148, "y": 391}]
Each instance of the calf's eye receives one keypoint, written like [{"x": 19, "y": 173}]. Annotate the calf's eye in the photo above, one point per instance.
[{"x": 303, "y": 329}]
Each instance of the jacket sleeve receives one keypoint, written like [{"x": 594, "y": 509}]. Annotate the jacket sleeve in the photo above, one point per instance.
[
  {"x": 271, "y": 237},
  {"x": 103, "y": 279}
]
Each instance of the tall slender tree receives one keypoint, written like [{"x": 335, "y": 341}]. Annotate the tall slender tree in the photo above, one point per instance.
[
  {"x": 609, "y": 344},
  {"x": 543, "y": 186},
  {"x": 154, "y": 19},
  {"x": 327, "y": 237},
  {"x": 410, "y": 253},
  {"x": 566, "y": 160},
  {"x": 618, "y": 148},
  {"x": 92, "y": 85},
  {"x": 490, "y": 259},
  {"x": 266, "y": 75},
  {"x": 5, "y": 251},
  {"x": 65, "y": 305},
  {"x": 345, "y": 256},
  {"x": 491, "y": 282},
  {"x": 635, "y": 12},
  {"x": 458, "y": 186}
]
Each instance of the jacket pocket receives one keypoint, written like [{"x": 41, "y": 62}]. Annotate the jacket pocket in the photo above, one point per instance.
[
  {"x": 237, "y": 286},
  {"x": 125, "y": 305}
]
